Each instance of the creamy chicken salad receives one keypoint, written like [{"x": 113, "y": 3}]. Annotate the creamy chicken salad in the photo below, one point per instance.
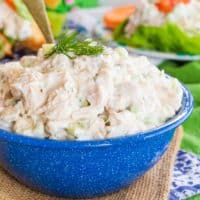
[
  {"x": 13, "y": 25},
  {"x": 85, "y": 98},
  {"x": 185, "y": 15}
]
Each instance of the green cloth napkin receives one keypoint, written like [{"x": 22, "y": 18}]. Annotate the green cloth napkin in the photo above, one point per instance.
[
  {"x": 189, "y": 74},
  {"x": 196, "y": 197}
]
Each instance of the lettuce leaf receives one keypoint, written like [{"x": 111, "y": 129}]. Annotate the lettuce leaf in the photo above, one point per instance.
[
  {"x": 1, "y": 50},
  {"x": 186, "y": 72},
  {"x": 22, "y": 9},
  {"x": 167, "y": 38},
  {"x": 57, "y": 20}
]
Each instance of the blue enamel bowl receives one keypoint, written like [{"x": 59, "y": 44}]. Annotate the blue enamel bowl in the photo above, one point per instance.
[{"x": 84, "y": 169}]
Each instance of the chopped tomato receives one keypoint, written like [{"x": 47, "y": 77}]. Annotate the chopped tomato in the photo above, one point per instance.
[
  {"x": 114, "y": 17},
  {"x": 167, "y": 6},
  {"x": 181, "y": 1},
  {"x": 11, "y": 4},
  {"x": 186, "y": 1}
]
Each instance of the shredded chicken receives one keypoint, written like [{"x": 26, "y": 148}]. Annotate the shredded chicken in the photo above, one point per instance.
[
  {"x": 87, "y": 98},
  {"x": 13, "y": 25},
  {"x": 147, "y": 14}
]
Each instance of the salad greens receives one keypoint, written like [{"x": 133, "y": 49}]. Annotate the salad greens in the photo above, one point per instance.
[
  {"x": 22, "y": 9},
  {"x": 1, "y": 50},
  {"x": 57, "y": 20},
  {"x": 72, "y": 46},
  {"x": 167, "y": 38},
  {"x": 189, "y": 74}
]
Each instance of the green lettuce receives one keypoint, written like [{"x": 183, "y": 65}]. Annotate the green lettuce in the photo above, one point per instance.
[
  {"x": 186, "y": 72},
  {"x": 1, "y": 50},
  {"x": 22, "y": 9},
  {"x": 167, "y": 38},
  {"x": 189, "y": 74},
  {"x": 57, "y": 20}
]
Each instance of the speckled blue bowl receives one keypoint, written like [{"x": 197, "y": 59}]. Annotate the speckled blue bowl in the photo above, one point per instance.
[{"x": 89, "y": 168}]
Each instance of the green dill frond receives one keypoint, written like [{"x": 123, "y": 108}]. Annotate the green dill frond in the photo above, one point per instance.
[{"x": 72, "y": 46}]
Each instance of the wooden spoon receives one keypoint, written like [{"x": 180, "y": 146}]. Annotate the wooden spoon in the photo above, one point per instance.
[{"x": 38, "y": 11}]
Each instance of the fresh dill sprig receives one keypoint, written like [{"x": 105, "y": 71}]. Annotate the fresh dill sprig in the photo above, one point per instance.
[{"x": 72, "y": 46}]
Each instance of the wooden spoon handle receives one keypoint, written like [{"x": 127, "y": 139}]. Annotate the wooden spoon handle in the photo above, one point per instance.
[{"x": 38, "y": 11}]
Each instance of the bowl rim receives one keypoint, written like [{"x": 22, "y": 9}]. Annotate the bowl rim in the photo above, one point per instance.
[{"x": 174, "y": 122}]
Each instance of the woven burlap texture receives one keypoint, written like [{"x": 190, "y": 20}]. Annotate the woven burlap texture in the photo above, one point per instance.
[{"x": 154, "y": 185}]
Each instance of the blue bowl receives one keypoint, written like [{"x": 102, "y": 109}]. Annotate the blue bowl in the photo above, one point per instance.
[{"x": 84, "y": 169}]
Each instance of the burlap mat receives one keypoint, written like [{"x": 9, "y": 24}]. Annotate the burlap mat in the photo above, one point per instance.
[{"x": 153, "y": 186}]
